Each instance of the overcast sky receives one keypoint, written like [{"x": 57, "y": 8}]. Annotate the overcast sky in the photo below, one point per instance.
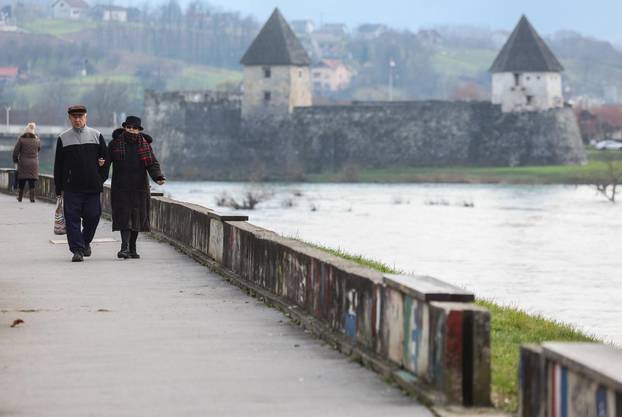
[{"x": 599, "y": 18}]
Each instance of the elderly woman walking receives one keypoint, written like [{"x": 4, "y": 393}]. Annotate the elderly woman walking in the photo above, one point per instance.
[
  {"x": 132, "y": 159},
  {"x": 26, "y": 156}
]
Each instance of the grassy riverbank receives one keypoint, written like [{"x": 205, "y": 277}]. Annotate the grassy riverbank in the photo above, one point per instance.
[
  {"x": 510, "y": 328},
  {"x": 595, "y": 170}
]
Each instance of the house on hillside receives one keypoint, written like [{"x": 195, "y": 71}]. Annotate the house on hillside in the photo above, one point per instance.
[
  {"x": 111, "y": 13},
  {"x": 8, "y": 75},
  {"x": 70, "y": 9},
  {"x": 331, "y": 40},
  {"x": 370, "y": 31},
  {"x": 330, "y": 75},
  {"x": 302, "y": 27}
]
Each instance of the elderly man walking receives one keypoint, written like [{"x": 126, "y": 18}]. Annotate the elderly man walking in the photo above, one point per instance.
[{"x": 81, "y": 167}]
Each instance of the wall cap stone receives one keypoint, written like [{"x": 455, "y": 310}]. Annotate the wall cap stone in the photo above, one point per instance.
[
  {"x": 427, "y": 288},
  {"x": 458, "y": 306},
  {"x": 310, "y": 251},
  {"x": 603, "y": 363},
  {"x": 210, "y": 213}
]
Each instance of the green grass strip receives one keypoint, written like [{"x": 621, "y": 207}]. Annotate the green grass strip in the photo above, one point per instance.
[{"x": 593, "y": 171}]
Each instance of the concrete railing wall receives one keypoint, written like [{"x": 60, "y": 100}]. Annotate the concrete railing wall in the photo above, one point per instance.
[
  {"x": 570, "y": 379},
  {"x": 427, "y": 334}
]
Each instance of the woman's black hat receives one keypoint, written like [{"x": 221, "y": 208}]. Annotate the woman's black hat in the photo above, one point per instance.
[{"x": 132, "y": 121}]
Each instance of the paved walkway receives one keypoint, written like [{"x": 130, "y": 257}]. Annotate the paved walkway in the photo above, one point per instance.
[{"x": 161, "y": 336}]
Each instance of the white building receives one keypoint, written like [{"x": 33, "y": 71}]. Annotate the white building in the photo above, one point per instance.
[
  {"x": 70, "y": 9},
  {"x": 114, "y": 14},
  {"x": 526, "y": 76},
  {"x": 330, "y": 75},
  {"x": 277, "y": 75}
]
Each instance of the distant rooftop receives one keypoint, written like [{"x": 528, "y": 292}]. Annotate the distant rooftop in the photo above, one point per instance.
[
  {"x": 525, "y": 51},
  {"x": 8, "y": 72},
  {"x": 77, "y": 4},
  {"x": 276, "y": 44},
  {"x": 329, "y": 63}
]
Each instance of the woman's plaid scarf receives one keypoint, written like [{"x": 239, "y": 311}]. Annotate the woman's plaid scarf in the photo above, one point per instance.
[{"x": 143, "y": 149}]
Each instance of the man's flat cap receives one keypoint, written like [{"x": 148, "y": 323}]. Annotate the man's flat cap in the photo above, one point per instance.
[{"x": 77, "y": 109}]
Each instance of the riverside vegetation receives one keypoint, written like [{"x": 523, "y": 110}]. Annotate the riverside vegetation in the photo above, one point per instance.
[{"x": 595, "y": 171}]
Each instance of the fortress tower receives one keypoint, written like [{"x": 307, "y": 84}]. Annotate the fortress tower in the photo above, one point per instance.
[
  {"x": 277, "y": 76},
  {"x": 526, "y": 76}
]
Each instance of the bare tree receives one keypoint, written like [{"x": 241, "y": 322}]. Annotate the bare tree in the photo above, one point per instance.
[
  {"x": 607, "y": 185},
  {"x": 105, "y": 99}
]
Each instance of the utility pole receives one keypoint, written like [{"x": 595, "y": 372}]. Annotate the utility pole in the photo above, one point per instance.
[
  {"x": 8, "y": 110},
  {"x": 391, "y": 66}
]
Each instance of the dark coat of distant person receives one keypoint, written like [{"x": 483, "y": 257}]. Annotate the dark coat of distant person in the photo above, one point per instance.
[
  {"x": 129, "y": 193},
  {"x": 26, "y": 156}
]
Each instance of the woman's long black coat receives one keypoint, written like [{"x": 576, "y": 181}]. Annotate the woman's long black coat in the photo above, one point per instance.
[{"x": 129, "y": 193}]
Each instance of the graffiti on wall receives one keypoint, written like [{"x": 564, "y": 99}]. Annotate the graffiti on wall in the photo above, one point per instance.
[
  {"x": 575, "y": 395},
  {"x": 393, "y": 325},
  {"x": 416, "y": 336},
  {"x": 350, "y": 316}
]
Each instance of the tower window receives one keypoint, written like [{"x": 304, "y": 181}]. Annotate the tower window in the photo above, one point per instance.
[
  {"x": 529, "y": 100},
  {"x": 267, "y": 72},
  {"x": 516, "y": 79},
  {"x": 267, "y": 96}
]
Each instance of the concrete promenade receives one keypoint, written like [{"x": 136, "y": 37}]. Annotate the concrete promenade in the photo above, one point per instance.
[{"x": 160, "y": 336}]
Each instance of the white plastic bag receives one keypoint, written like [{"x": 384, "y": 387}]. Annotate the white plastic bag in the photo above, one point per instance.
[{"x": 59, "y": 218}]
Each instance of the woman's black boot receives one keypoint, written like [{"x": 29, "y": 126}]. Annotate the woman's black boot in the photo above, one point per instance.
[
  {"x": 124, "y": 253},
  {"x": 133, "y": 238},
  {"x": 20, "y": 195}
]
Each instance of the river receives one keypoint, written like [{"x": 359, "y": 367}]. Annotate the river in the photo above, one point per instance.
[{"x": 551, "y": 250}]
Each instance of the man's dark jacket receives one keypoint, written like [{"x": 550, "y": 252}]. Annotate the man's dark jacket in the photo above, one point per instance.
[{"x": 75, "y": 165}]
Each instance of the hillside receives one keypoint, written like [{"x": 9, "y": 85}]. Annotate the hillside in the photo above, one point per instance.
[
  {"x": 63, "y": 61},
  {"x": 59, "y": 64}
]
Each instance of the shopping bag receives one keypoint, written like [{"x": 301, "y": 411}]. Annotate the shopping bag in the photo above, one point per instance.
[{"x": 59, "y": 218}]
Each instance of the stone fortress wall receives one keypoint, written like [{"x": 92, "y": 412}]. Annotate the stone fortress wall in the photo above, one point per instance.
[{"x": 203, "y": 135}]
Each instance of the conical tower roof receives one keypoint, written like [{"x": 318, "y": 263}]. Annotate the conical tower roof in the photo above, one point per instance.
[
  {"x": 525, "y": 51},
  {"x": 276, "y": 44}
]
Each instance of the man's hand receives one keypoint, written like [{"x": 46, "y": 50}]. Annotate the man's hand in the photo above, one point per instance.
[
  {"x": 161, "y": 182},
  {"x": 101, "y": 162}
]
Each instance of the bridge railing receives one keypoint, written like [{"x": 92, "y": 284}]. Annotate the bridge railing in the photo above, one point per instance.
[
  {"x": 46, "y": 130},
  {"x": 427, "y": 335}
]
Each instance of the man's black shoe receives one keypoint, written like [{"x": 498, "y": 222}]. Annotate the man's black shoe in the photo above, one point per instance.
[
  {"x": 87, "y": 252},
  {"x": 77, "y": 257},
  {"x": 123, "y": 254},
  {"x": 134, "y": 255}
]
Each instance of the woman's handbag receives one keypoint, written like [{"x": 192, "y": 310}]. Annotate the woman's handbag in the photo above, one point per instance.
[{"x": 59, "y": 218}]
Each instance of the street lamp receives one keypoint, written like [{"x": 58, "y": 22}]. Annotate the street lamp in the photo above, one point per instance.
[
  {"x": 8, "y": 110},
  {"x": 391, "y": 66}
]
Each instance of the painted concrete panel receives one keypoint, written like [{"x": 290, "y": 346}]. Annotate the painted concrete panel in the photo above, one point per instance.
[
  {"x": 200, "y": 232},
  {"x": 393, "y": 325},
  {"x": 416, "y": 336},
  {"x": 216, "y": 240},
  {"x": 572, "y": 394}
]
